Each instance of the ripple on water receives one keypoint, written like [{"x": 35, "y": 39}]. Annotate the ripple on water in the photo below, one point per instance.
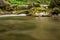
[{"x": 18, "y": 37}]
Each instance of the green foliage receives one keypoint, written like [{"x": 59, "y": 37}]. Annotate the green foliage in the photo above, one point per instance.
[
  {"x": 37, "y": 10},
  {"x": 43, "y": 1},
  {"x": 28, "y": 1},
  {"x": 21, "y": 7},
  {"x": 16, "y": 1},
  {"x": 56, "y": 9}
]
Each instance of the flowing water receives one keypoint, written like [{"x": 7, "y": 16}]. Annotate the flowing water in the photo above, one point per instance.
[{"x": 29, "y": 28}]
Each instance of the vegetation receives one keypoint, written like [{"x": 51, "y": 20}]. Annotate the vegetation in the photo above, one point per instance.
[
  {"x": 16, "y": 1},
  {"x": 54, "y": 3},
  {"x": 28, "y": 1},
  {"x": 16, "y": 5}
]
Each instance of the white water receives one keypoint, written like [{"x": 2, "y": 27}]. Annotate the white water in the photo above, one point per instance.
[{"x": 12, "y": 15}]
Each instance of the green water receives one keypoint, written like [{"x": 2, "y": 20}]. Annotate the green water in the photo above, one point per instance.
[{"x": 29, "y": 28}]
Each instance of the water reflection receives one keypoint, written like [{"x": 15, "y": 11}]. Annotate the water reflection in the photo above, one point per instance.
[
  {"x": 44, "y": 28},
  {"x": 49, "y": 27}
]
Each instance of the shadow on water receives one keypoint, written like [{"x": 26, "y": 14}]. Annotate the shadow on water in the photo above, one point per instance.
[
  {"x": 16, "y": 18},
  {"x": 3, "y": 30},
  {"x": 55, "y": 18},
  {"x": 8, "y": 26},
  {"x": 17, "y": 37}
]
